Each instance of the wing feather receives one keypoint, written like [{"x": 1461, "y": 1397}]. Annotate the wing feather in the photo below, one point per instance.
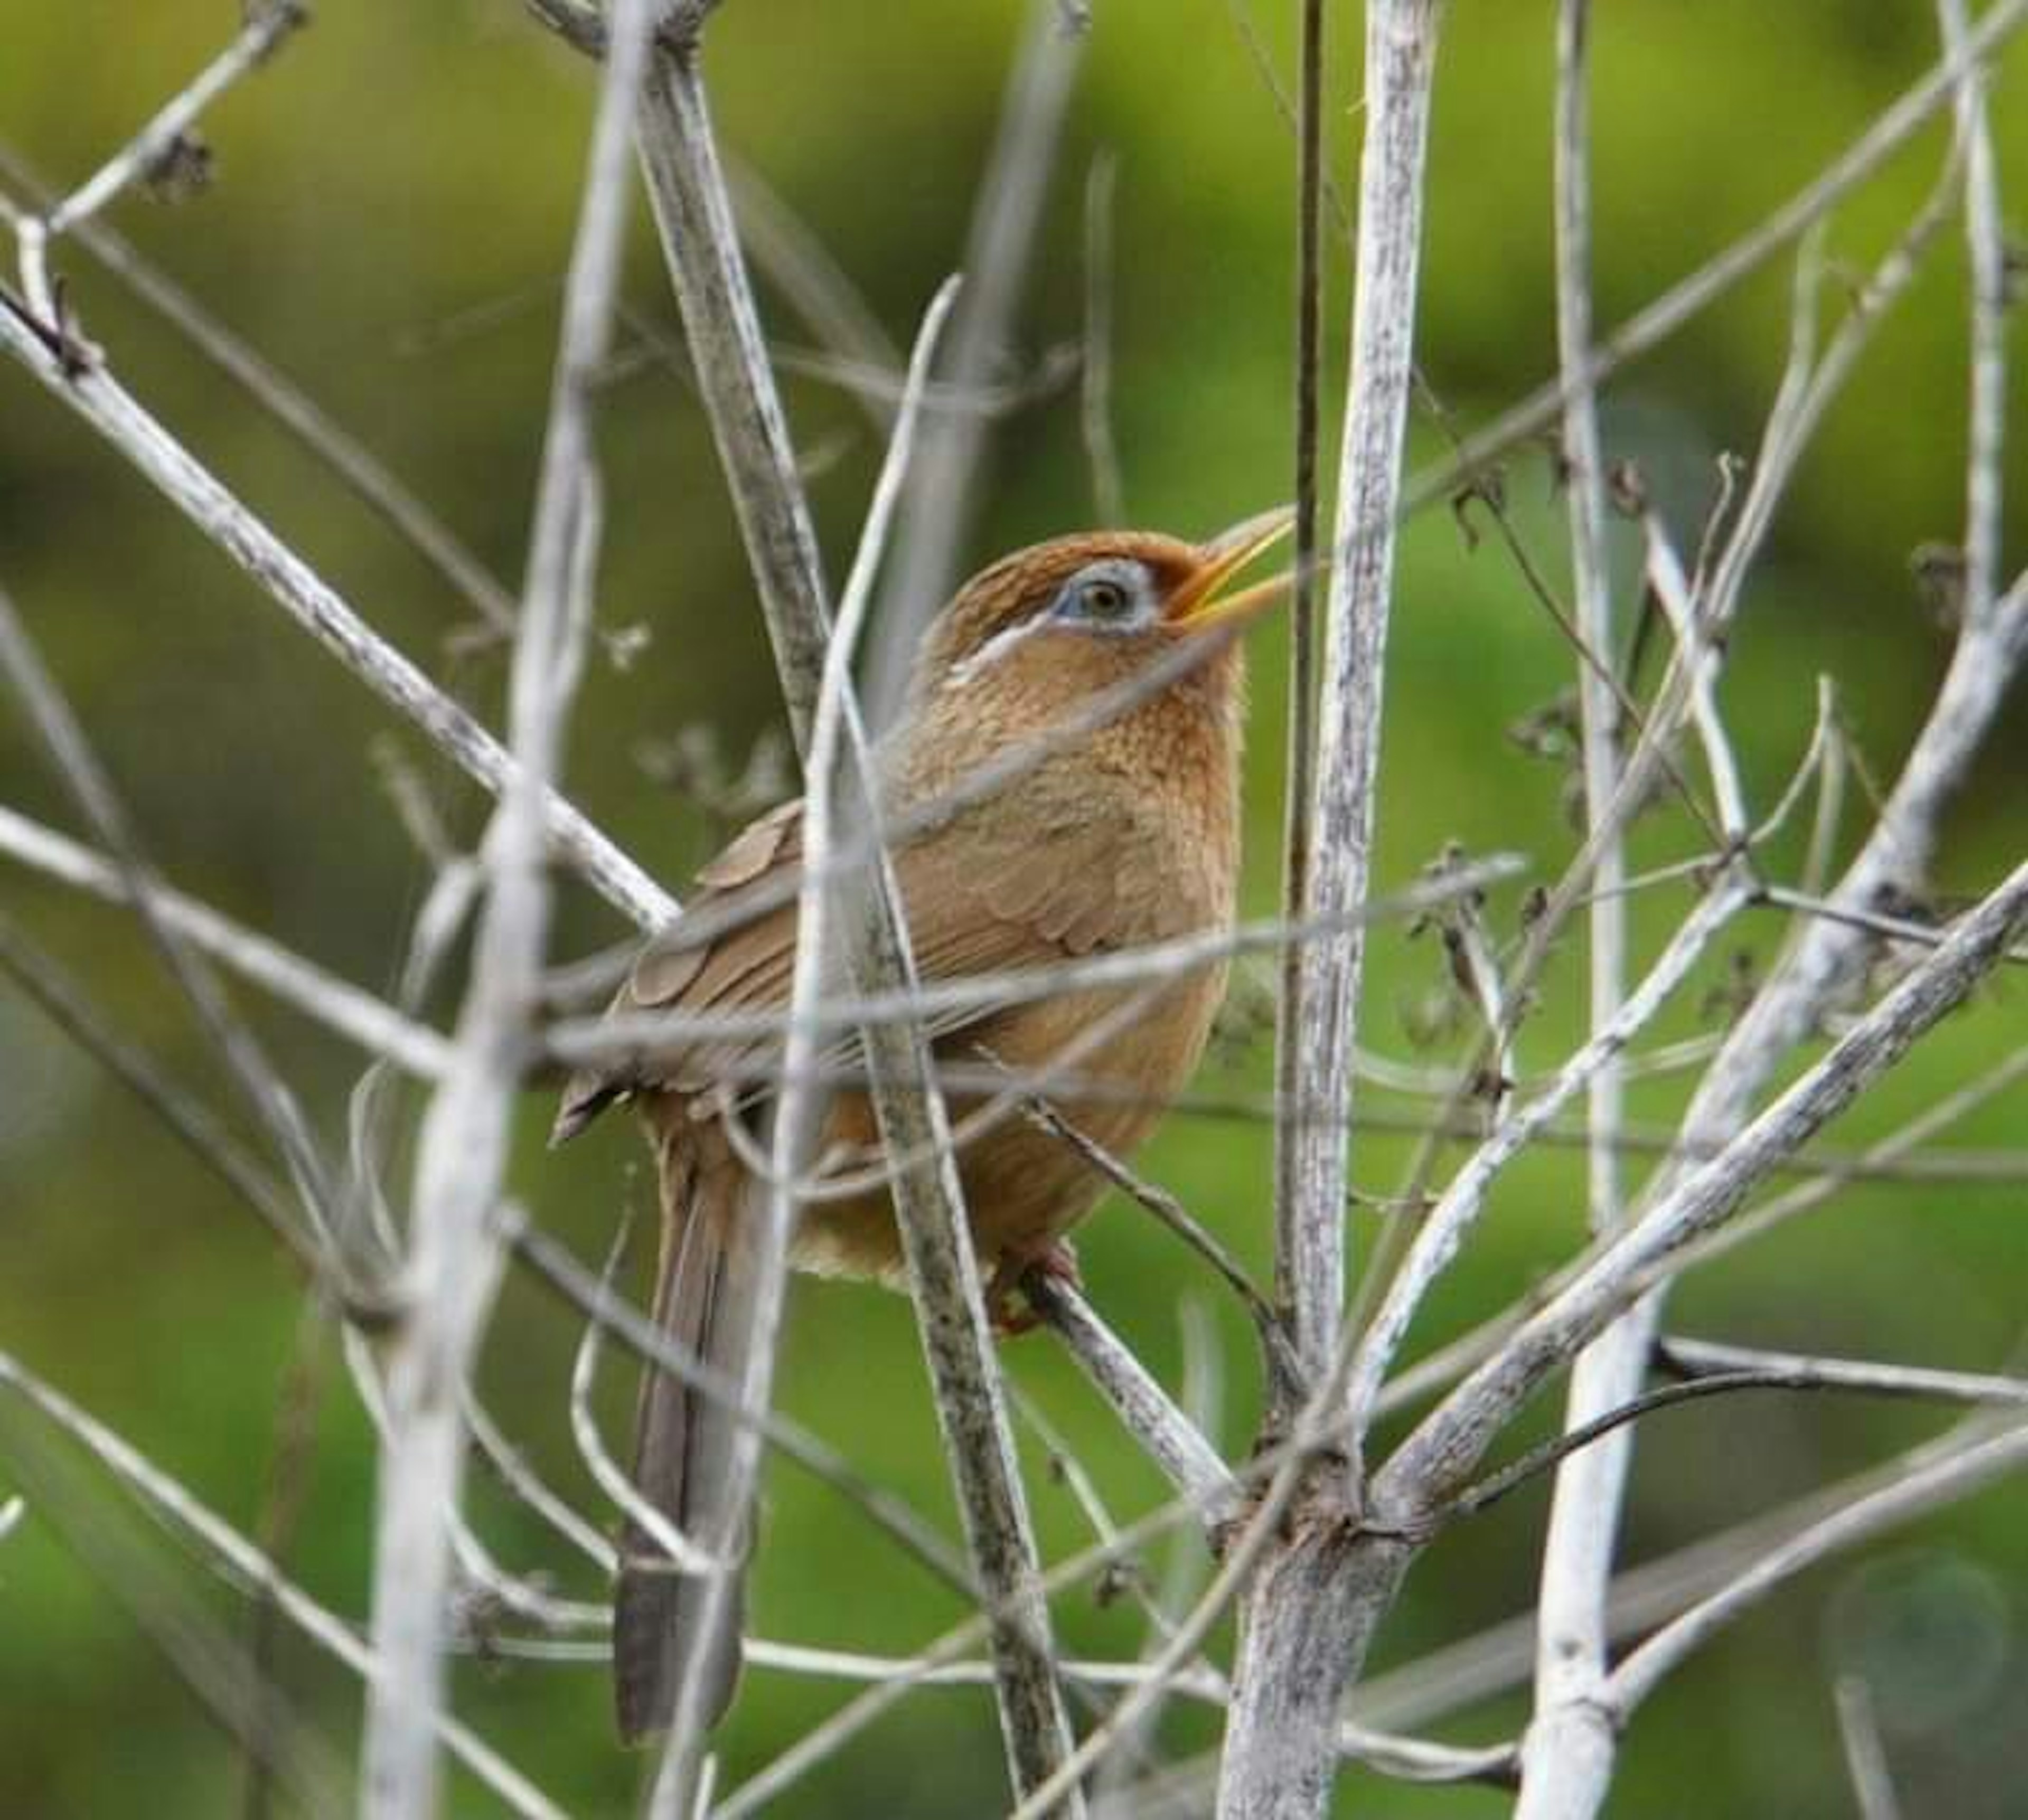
[{"x": 979, "y": 901}]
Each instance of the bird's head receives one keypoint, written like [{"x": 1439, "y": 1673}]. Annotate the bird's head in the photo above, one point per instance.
[{"x": 1045, "y": 629}]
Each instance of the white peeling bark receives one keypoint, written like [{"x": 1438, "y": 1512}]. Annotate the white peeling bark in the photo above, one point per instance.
[{"x": 1310, "y": 1609}]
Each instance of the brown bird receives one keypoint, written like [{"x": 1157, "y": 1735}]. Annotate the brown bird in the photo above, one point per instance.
[{"x": 1120, "y": 836}]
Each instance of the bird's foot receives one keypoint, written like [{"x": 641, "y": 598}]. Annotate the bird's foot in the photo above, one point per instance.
[{"x": 1007, "y": 1304}]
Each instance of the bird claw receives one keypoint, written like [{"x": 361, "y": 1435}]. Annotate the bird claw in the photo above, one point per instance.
[{"x": 1007, "y": 1307}]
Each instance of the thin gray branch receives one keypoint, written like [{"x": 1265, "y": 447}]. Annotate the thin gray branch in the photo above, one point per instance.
[
  {"x": 798, "y": 1116},
  {"x": 1168, "y": 1437},
  {"x": 580, "y": 1288},
  {"x": 1400, "y": 59},
  {"x": 1696, "y": 1358},
  {"x": 1885, "y": 1153},
  {"x": 1570, "y": 1753},
  {"x": 246, "y": 1064},
  {"x": 1956, "y": 1475},
  {"x": 455, "y": 1252},
  {"x": 97, "y": 398},
  {"x": 1444, "y": 1229},
  {"x": 1865, "y": 1755},
  {"x": 1699, "y": 655},
  {"x": 1443, "y": 1449},
  {"x": 936, "y": 512},
  {"x": 291, "y": 406},
  {"x": 1482, "y": 1667},
  {"x": 195, "y": 1125},
  {"x": 375, "y": 1025},
  {"x": 1985, "y": 239},
  {"x": 1299, "y": 781},
  {"x": 1885, "y": 135},
  {"x": 268, "y": 23},
  {"x": 616, "y": 1041},
  {"x": 1558, "y": 1748},
  {"x": 687, "y": 1556},
  {"x": 254, "y": 1572},
  {"x": 1095, "y": 374}
]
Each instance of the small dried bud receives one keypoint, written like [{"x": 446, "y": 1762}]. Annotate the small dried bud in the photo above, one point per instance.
[
  {"x": 181, "y": 171},
  {"x": 1549, "y": 731},
  {"x": 1728, "y": 1001},
  {"x": 1939, "y": 570},
  {"x": 1563, "y": 467},
  {"x": 1488, "y": 486},
  {"x": 2013, "y": 272},
  {"x": 624, "y": 644},
  {"x": 1114, "y": 1581},
  {"x": 1490, "y": 1085}
]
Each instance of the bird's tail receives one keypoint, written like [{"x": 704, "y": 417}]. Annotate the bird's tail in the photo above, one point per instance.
[{"x": 663, "y": 1631}]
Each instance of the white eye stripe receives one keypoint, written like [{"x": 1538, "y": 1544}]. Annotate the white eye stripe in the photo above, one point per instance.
[{"x": 996, "y": 647}]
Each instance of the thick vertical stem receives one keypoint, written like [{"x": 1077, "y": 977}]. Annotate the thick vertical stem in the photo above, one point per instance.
[
  {"x": 1315, "y": 1601},
  {"x": 1312, "y": 1613},
  {"x": 1299, "y": 781},
  {"x": 1401, "y": 58}
]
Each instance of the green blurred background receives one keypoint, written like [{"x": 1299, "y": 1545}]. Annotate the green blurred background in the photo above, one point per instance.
[{"x": 394, "y": 203}]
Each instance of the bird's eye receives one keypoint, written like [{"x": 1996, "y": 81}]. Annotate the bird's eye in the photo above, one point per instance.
[
  {"x": 1112, "y": 595},
  {"x": 1104, "y": 599}
]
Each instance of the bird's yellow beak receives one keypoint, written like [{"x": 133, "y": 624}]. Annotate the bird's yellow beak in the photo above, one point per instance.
[{"x": 1198, "y": 604}]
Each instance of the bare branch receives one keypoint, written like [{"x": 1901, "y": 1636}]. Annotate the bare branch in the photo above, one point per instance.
[
  {"x": 254, "y": 1572},
  {"x": 1309, "y": 1240},
  {"x": 799, "y": 1115},
  {"x": 254, "y": 1076},
  {"x": 616, "y": 1042},
  {"x": 1864, "y": 1754},
  {"x": 97, "y": 396},
  {"x": 1302, "y": 1636},
  {"x": 685, "y": 1555},
  {"x": 1292, "y": 1021},
  {"x": 374, "y": 1025},
  {"x": 1885, "y": 135},
  {"x": 1480, "y": 1667},
  {"x": 581, "y": 1289},
  {"x": 1986, "y": 238},
  {"x": 1559, "y": 1750},
  {"x": 1444, "y": 1229},
  {"x": 936, "y": 512},
  {"x": 454, "y": 1259},
  {"x": 194, "y": 1125},
  {"x": 1955, "y": 1476},
  {"x": 1168, "y": 1437},
  {"x": 1444, "y": 1447},
  {"x": 1095, "y": 391},
  {"x": 1696, "y": 1358},
  {"x": 1884, "y": 1154},
  {"x": 291, "y": 407},
  {"x": 1177, "y": 1219},
  {"x": 268, "y": 23},
  {"x": 1698, "y": 654}
]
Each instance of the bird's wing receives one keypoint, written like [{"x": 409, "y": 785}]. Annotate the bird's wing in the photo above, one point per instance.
[{"x": 979, "y": 901}]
